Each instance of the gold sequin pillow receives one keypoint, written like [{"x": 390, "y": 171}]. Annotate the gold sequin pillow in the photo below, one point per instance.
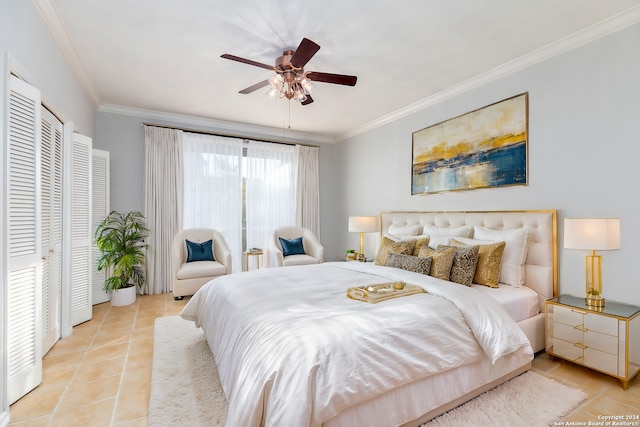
[
  {"x": 404, "y": 247},
  {"x": 489, "y": 260},
  {"x": 420, "y": 242},
  {"x": 441, "y": 261}
]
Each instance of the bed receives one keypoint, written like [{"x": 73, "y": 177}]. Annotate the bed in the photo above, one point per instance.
[{"x": 292, "y": 349}]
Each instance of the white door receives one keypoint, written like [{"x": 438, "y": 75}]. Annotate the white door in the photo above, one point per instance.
[
  {"x": 81, "y": 241},
  {"x": 99, "y": 211},
  {"x": 51, "y": 244},
  {"x": 24, "y": 333}
]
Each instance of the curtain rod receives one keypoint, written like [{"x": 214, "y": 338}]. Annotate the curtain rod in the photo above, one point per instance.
[{"x": 230, "y": 135}]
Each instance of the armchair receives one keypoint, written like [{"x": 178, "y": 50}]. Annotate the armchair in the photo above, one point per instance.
[
  {"x": 313, "y": 249},
  {"x": 188, "y": 277}
]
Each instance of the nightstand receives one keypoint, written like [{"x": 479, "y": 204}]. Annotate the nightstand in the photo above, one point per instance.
[{"x": 606, "y": 339}]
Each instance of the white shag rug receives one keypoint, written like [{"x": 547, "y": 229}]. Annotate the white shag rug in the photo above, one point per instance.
[{"x": 186, "y": 390}]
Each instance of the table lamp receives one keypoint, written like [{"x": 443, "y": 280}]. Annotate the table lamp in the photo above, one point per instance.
[
  {"x": 593, "y": 234},
  {"x": 362, "y": 224}
]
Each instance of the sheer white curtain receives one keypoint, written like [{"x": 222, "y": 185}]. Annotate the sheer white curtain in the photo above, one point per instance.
[
  {"x": 213, "y": 188},
  {"x": 270, "y": 191},
  {"x": 308, "y": 189},
  {"x": 162, "y": 202}
]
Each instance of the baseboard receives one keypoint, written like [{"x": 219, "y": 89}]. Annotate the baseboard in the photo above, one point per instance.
[{"x": 4, "y": 419}]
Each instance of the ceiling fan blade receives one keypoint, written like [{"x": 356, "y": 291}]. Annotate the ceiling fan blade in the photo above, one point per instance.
[
  {"x": 254, "y": 87},
  {"x": 246, "y": 61},
  {"x": 339, "y": 79},
  {"x": 309, "y": 100},
  {"x": 305, "y": 51}
]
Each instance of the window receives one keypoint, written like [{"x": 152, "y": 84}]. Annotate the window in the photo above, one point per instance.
[{"x": 242, "y": 188}]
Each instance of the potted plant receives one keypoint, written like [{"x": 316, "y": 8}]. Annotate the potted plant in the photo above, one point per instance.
[{"x": 120, "y": 238}]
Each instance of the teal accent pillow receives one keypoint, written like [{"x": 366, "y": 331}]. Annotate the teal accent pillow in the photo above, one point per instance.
[
  {"x": 292, "y": 247},
  {"x": 199, "y": 251}
]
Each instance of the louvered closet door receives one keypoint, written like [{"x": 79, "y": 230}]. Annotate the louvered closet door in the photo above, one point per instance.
[
  {"x": 99, "y": 211},
  {"x": 51, "y": 244},
  {"x": 81, "y": 241},
  {"x": 24, "y": 334}
]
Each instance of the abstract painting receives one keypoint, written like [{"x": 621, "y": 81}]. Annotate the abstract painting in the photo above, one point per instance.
[{"x": 480, "y": 149}]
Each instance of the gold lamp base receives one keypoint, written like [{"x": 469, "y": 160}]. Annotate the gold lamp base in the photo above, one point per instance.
[
  {"x": 360, "y": 257},
  {"x": 593, "y": 296},
  {"x": 597, "y": 302}
]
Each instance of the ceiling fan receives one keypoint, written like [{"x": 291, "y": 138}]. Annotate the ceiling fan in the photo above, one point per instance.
[{"x": 290, "y": 80}]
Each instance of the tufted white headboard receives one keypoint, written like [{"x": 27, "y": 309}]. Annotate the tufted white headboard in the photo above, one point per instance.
[{"x": 541, "y": 265}]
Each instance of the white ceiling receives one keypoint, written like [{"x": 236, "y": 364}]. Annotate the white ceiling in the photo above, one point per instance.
[{"x": 164, "y": 55}]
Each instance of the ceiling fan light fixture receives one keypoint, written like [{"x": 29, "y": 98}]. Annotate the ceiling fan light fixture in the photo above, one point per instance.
[
  {"x": 275, "y": 81},
  {"x": 273, "y": 93},
  {"x": 299, "y": 95},
  {"x": 306, "y": 85},
  {"x": 290, "y": 80}
]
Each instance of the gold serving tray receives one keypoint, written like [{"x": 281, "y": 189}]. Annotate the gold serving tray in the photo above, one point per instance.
[{"x": 382, "y": 292}]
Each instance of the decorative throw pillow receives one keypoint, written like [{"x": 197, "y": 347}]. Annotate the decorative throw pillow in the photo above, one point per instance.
[
  {"x": 420, "y": 242},
  {"x": 464, "y": 264},
  {"x": 387, "y": 246},
  {"x": 489, "y": 259},
  {"x": 409, "y": 262},
  {"x": 292, "y": 246},
  {"x": 515, "y": 252},
  {"x": 441, "y": 262},
  {"x": 199, "y": 251}
]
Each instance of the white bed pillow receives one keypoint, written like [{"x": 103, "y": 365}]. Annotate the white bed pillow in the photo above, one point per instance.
[
  {"x": 404, "y": 231},
  {"x": 515, "y": 252},
  {"x": 443, "y": 235}
]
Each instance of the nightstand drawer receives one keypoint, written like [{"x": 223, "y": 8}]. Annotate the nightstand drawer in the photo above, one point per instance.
[
  {"x": 567, "y": 332},
  {"x": 591, "y": 339},
  {"x": 584, "y": 355},
  {"x": 568, "y": 350},
  {"x": 601, "y": 360},
  {"x": 602, "y": 324},
  {"x": 567, "y": 316},
  {"x": 602, "y": 342}
]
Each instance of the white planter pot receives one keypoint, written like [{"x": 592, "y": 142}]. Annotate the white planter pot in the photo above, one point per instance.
[{"x": 123, "y": 296}]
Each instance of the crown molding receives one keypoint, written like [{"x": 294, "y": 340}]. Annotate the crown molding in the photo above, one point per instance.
[
  {"x": 573, "y": 41},
  {"x": 219, "y": 125},
  {"x": 61, "y": 34}
]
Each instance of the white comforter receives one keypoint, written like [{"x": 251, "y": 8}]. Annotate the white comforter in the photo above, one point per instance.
[{"x": 293, "y": 350}]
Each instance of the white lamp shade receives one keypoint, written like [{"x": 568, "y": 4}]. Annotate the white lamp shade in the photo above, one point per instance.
[
  {"x": 593, "y": 234},
  {"x": 363, "y": 224}
]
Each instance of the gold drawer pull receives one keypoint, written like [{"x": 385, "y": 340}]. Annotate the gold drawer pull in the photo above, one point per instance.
[
  {"x": 581, "y": 328},
  {"x": 579, "y": 311},
  {"x": 580, "y": 345}
]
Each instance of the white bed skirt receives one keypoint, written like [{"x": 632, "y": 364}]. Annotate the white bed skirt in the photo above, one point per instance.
[{"x": 418, "y": 402}]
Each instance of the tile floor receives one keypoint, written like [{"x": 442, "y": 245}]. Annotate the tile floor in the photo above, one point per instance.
[{"x": 100, "y": 375}]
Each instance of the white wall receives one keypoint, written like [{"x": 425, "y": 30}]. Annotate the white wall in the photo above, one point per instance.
[
  {"x": 584, "y": 148},
  {"x": 38, "y": 60}
]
